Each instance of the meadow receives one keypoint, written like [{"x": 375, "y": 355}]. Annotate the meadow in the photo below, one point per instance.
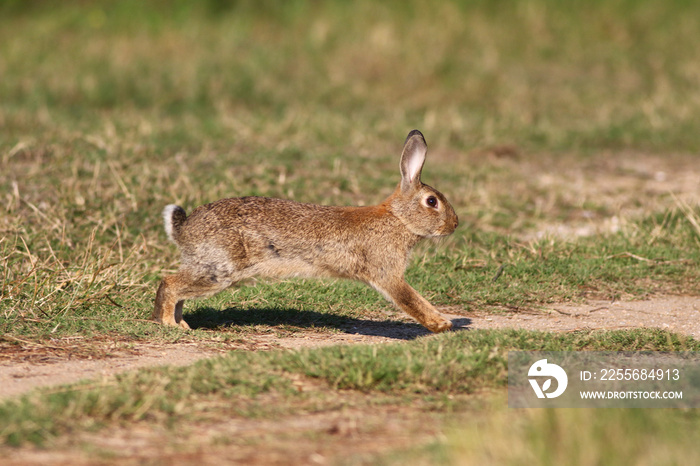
[{"x": 565, "y": 136}]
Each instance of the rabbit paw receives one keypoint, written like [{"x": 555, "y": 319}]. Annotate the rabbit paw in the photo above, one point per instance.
[{"x": 439, "y": 327}]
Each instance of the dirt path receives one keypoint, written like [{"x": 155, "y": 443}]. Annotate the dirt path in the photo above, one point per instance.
[
  {"x": 45, "y": 368},
  {"x": 679, "y": 314}
]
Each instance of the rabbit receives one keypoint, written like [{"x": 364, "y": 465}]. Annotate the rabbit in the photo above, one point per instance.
[{"x": 230, "y": 240}]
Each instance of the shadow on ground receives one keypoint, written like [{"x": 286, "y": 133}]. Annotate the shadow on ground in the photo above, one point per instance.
[{"x": 212, "y": 319}]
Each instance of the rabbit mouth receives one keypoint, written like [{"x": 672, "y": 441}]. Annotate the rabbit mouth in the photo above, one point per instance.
[
  {"x": 443, "y": 233},
  {"x": 451, "y": 226},
  {"x": 446, "y": 230}
]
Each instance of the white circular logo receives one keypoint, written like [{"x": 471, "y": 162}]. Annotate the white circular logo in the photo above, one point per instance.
[{"x": 545, "y": 371}]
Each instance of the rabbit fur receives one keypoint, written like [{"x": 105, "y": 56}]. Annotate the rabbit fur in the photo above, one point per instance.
[{"x": 230, "y": 240}]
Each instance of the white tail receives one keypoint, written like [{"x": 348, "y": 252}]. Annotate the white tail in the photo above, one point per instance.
[{"x": 168, "y": 220}]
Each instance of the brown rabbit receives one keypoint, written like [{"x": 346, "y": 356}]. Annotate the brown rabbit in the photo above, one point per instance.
[{"x": 230, "y": 240}]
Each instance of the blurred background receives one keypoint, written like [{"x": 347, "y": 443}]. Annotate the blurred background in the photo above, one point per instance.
[{"x": 538, "y": 74}]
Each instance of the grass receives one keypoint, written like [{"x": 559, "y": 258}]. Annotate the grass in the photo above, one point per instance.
[
  {"x": 572, "y": 436},
  {"x": 428, "y": 369},
  {"x": 189, "y": 106},
  {"x": 563, "y": 134}
]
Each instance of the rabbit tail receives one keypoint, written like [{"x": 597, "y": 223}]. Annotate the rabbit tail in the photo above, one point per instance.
[{"x": 173, "y": 217}]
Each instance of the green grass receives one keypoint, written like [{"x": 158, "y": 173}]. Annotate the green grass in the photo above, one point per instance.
[
  {"x": 429, "y": 369},
  {"x": 111, "y": 111},
  {"x": 540, "y": 116}
]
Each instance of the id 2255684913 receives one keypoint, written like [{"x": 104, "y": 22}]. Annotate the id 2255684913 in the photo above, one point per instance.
[{"x": 590, "y": 379}]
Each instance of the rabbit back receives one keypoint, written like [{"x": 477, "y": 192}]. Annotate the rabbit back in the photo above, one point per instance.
[{"x": 233, "y": 239}]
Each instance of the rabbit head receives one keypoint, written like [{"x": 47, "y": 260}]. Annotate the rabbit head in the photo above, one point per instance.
[{"x": 422, "y": 209}]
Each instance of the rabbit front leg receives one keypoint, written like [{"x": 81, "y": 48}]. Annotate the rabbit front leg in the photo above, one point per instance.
[{"x": 412, "y": 303}]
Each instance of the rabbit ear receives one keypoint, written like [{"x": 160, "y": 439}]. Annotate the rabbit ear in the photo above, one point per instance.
[{"x": 412, "y": 159}]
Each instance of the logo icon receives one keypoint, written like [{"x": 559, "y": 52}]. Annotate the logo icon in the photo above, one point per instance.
[{"x": 542, "y": 368}]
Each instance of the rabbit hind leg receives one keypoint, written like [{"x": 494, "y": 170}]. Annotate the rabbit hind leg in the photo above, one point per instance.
[{"x": 173, "y": 291}]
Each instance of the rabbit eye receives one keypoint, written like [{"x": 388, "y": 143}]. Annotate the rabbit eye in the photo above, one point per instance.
[{"x": 431, "y": 201}]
